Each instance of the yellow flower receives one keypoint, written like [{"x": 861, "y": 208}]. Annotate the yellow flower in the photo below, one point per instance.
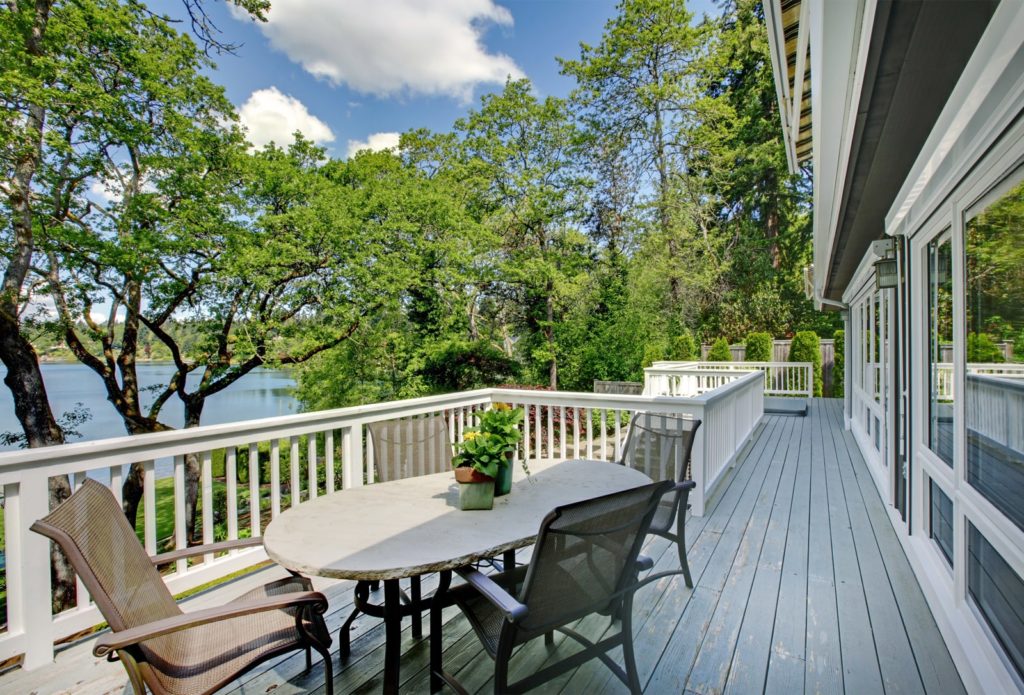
[
  {"x": 502, "y": 406},
  {"x": 470, "y": 435}
]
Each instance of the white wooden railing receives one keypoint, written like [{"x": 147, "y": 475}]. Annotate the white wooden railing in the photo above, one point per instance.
[
  {"x": 687, "y": 378},
  {"x": 559, "y": 424},
  {"x": 995, "y": 409},
  {"x": 944, "y": 374}
]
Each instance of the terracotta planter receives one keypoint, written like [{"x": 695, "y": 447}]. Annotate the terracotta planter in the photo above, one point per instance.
[{"x": 468, "y": 474}]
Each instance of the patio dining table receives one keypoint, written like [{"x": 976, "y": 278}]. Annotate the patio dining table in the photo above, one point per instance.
[{"x": 405, "y": 528}]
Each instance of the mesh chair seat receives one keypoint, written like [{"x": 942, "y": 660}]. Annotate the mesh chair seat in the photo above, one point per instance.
[
  {"x": 661, "y": 446},
  {"x": 202, "y": 658},
  {"x": 584, "y": 562},
  {"x": 193, "y": 658}
]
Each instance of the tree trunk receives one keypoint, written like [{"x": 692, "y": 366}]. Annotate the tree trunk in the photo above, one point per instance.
[
  {"x": 193, "y": 415},
  {"x": 24, "y": 377}
]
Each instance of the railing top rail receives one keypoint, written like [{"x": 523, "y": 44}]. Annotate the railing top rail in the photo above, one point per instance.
[
  {"x": 692, "y": 372},
  {"x": 121, "y": 450},
  {"x": 687, "y": 366},
  {"x": 998, "y": 381},
  {"x": 160, "y": 444}
]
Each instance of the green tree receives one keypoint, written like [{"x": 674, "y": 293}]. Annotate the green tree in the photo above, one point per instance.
[
  {"x": 839, "y": 365},
  {"x": 525, "y": 149},
  {"x": 759, "y": 347},
  {"x": 719, "y": 351},
  {"x": 684, "y": 347},
  {"x": 806, "y": 347}
]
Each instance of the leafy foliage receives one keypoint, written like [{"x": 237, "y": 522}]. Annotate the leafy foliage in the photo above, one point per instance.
[
  {"x": 806, "y": 347},
  {"x": 719, "y": 351},
  {"x": 839, "y": 365},
  {"x": 759, "y": 347},
  {"x": 981, "y": 348}
]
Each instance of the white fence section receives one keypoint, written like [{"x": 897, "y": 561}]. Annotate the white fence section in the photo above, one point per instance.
[
  {"x": 689, "y": 378},
  {"x": 944, "y": 374},
  {"x": 995, "y": 409},
  {"x": 308, "y": 455}
]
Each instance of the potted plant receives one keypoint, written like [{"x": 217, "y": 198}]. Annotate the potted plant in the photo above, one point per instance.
[
  {"x": 483, "y": 465},
  {"x": 502, "y": 422}
]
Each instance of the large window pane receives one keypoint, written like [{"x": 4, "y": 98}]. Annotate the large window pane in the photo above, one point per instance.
[
  {"x": 941, "y": 521},
  {"x": 940, "y": 349},
  {"x": 999, "y": 594},
  {"x": 994, "y": 303}
]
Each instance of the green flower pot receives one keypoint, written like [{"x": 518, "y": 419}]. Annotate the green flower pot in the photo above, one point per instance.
[
  {"x": 476, "y": 495},
  {"x": 503, "y": 481}
]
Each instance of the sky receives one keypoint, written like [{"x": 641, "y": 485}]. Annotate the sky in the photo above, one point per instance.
[{"x": 351, "y": 74}]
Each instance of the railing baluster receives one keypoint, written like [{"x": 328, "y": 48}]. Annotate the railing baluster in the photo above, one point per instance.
[
  {"x": 590, "y": 432},
  {"x": 207, "y": 487},
  {"x": 576, "y": 433},
  {"x": 551, "y": 433},
  {"x": 618, "y": 434},
  {"x": 275, "y": 478},
  {"x": 561, "y": 431},
  {"x": 231, "y": 484},
  {"x": 369, "y": 458},
  {"x": 329, "y": 460},
  {"x": 538, "y": 451},
  {"x": 294, "y": 481},
  {"x": 254, "y": 489},
  {"x": 604, "y": 435},
  {"x": 180, "y": 539},
  {"x": 28, "y": 568},
  {"x": 311, "y": 465},
  {"x": 526, "y": 432},
  {"x": 149, "y": 506}
]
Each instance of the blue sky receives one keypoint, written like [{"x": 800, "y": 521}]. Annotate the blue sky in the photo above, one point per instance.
[{"x": 350, "y": 72}]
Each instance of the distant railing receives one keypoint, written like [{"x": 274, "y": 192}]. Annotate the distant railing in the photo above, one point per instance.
[
  {"x": 685, "y": 378},
  {"x": 292, "y": 459},
  {"x": 995, "y": 410},
  {"x": 944, "y": 374}
]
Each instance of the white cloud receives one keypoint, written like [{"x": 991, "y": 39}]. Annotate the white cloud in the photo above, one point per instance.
[
  {"x": 388, "y": 47},
  {"x": 105, "y": 191},
  {"x": 376, "y": 142},
  {"x": 270, "y": 116}
]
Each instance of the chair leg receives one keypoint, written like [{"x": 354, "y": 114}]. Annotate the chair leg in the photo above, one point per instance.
[
  {"x": 627, "y": 646},
  {"x": 549, "y": 637},
  {"x": 328, "y": 667},
  {"x": 681, "y": 547}
]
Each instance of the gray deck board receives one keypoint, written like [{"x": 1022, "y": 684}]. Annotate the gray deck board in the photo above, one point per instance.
[{"x": 801, "y": 585}]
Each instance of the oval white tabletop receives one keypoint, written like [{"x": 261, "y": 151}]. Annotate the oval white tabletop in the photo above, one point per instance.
[{"x": 414, "y": 526}]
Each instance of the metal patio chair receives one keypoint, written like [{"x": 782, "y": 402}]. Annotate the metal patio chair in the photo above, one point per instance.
[
  {"x": 160, "y": 646},
  {"x": 661, "y": 446},
  {"x": 585, "y": 561},
  {"x": 402, "y": 448}
]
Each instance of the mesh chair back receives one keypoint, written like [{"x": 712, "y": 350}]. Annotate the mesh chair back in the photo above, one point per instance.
[
  {"x": 661, "y": 446},
  {"x": 585, "y": 554},
  {"x": 410, "y": 447},
  {"x": 107, "y": 555}
]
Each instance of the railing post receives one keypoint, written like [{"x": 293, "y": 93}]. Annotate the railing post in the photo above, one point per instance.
[
  {"x": 28, "y": 569},
  {"x": 698, "y": 466},
  {"x": 352, "y": 462}
]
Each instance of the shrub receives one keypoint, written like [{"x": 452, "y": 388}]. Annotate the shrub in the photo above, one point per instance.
[
  {"x": 759, "y": 347},
  {"x": 653, "y": 352},
  {"x": 807, "y": 348},
  {"x": 684, "y": 348},
  {"x": 981, "y": 348},
  {"x": 719, "y": 351},
  {"x": 839, "y": 364}
]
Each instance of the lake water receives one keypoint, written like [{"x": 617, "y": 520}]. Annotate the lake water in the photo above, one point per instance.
[{"x": 259, "y": 394}]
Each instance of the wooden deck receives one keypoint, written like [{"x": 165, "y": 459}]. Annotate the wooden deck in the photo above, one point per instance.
[{"x": 800, "y": 585}]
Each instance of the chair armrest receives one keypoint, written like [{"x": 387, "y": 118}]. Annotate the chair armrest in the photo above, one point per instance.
[
  {"x": 164, "y": 558},
  {"x": 644, "y": 563},
  {"x": 686, "y": 485},
  {"x": 126, "y": 638},
  {"x": 494, "y": 593}
]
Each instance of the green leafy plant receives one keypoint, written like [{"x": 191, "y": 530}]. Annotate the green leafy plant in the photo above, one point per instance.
[
  {"x": 485, "y": 446},
  {"x": 981, "y": 348},
  {"x": 839, "y": 364},
  {"x": 759, "y": 347},
  {"x": 806, "y": 347},
  {"x": 684, "y": 347},
  {"x": 719, "y": 351}
]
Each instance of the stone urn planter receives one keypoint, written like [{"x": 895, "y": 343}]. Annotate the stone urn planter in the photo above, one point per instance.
[{"x": 476, "y": 490}]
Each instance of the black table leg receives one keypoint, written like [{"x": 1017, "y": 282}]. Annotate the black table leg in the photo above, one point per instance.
[
  {"x": 509, "y": 560},
  {"x": 417, "y": 613},
  {"x": 392, "y": 635},
  {"x": 436, "y": 644}
]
